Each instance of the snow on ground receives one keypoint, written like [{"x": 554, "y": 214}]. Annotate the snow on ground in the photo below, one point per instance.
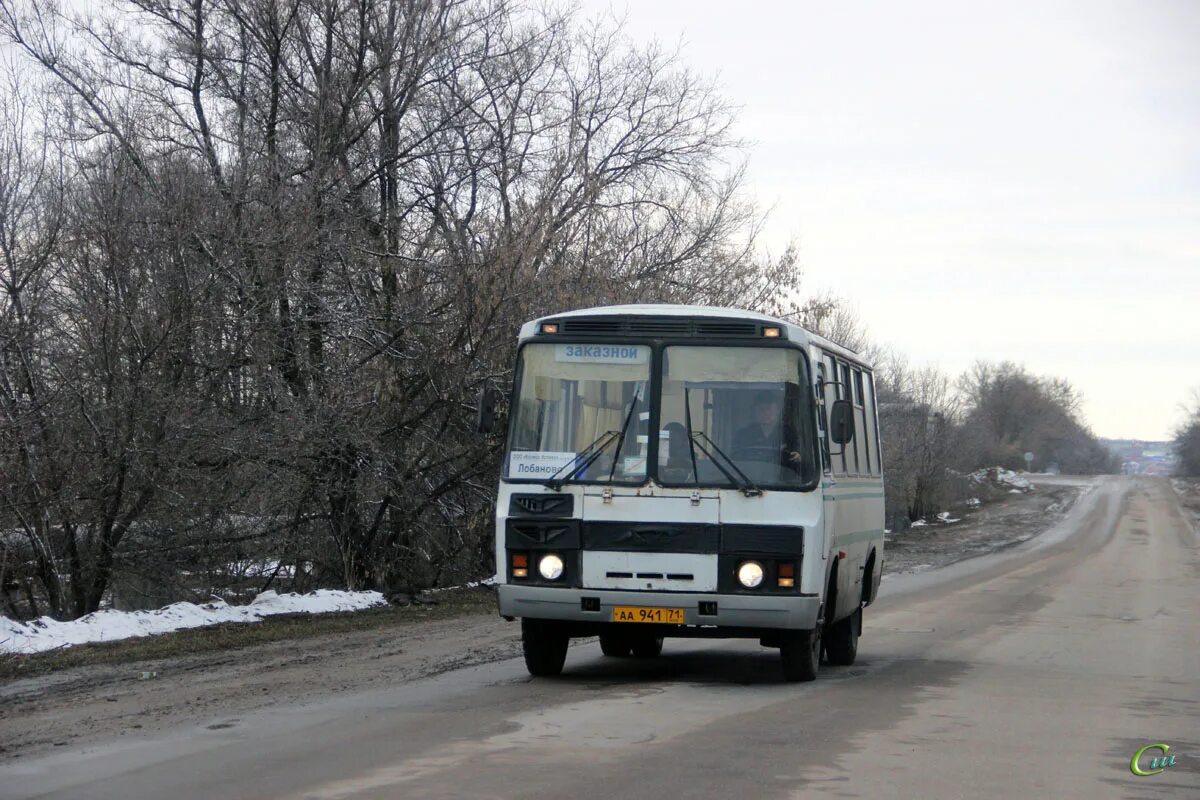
[
  {"x": 106, "y": 626},
  {"x": 1003, "y": 476},
  {"x": 492, "y": 581}
]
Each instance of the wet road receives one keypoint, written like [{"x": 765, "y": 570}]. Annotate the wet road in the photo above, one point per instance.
[{"x": 1037, "y": 672}]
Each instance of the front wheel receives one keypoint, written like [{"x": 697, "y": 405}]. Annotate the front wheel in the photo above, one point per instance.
[
  {"x": 614, "y": 645},
  {"x": 545, "y": 648},
  {"x": 841, "y": 640},
  {"x": 647, "y": 646},
  {"x": 801, "y": 656}
]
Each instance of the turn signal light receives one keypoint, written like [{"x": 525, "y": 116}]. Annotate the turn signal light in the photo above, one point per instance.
[
  {"x": 520, "y": 565},
  {"x": 549, "y": 327},
  {"x": 787, "y": 575}
]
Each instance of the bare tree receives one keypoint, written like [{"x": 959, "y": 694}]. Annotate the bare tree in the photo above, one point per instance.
[
  {"x": 1187, "y": 438},
  {"x": 299, "y": 236}
]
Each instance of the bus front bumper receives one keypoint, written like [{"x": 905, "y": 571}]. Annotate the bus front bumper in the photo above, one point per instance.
[{"x": 733, "y": 610}]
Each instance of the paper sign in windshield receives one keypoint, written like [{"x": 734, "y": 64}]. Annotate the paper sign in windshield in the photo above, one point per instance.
[
  {"x": 537, "y": 463},
  {"x": 602, "y": 353}
]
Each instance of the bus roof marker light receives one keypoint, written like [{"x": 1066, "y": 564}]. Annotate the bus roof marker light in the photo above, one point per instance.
[
  {"x": 772, "y": 332},
  {"x": 549, "y": 327}
]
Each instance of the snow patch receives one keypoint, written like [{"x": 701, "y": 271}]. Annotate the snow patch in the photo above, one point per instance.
[
  {"x": 945, "y": 517},
  {"x": 1002, "y": 476},
  {"x": 918, "y": 523},
  {"x": 46, "y": 633},
  {"x": 492, "y": 581}
]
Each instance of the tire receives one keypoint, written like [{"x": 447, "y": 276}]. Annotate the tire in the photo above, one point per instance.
[
  {"x": 614, "y": 645},
  {"x": 841, "y": 640},
  {"x": 801, "y": 656},
  {"x": 647, "y": 646},
  {"x": 545, "y": 648}
]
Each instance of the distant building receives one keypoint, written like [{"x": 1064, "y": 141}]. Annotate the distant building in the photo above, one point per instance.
[{"x": 1139, "y": 457}]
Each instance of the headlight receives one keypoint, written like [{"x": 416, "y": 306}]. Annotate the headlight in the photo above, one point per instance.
[
  {"x": 750, "y": 574},
  {"x": 551, "y": 567}
]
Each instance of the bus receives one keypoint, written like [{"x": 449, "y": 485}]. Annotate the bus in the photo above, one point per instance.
[{"x": 687, "y": 471}]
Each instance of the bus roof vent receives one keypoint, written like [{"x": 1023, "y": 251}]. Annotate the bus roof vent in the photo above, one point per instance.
[
  {"x": 726, "y": 327},
  {"x": 591, "y": 325},
  {"x": 661, "y": 326},
  {"x": 671, "y": 327}
]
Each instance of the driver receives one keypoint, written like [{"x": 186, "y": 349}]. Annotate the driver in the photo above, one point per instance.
[{"x": 765, "y": 431}]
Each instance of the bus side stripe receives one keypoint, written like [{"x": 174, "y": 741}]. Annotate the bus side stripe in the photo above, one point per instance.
[{"x": 860, "y": 536}]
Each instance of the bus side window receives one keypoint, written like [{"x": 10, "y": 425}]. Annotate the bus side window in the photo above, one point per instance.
[
  {"x": 862, "y": 439},
  {"x": 850, "y": 451},
  {"x": 836, "y": 390},
  {"x": 872, "y": 413},
  {"x": 822, "y": 430}
]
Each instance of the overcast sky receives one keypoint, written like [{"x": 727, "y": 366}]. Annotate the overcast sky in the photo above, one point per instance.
[{"x": 1006, "y": 181}]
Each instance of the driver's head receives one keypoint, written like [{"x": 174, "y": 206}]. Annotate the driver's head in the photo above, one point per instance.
[{"x": 767, "y": 408}]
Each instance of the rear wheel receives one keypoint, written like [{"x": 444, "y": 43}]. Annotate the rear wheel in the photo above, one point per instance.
[
  {"x": 647, "y": 646},
  {"x": 841, "y": 640},
  {"x": 544, "y": 646},
  {"x": 801, "y": 655},
  {"x": 614, "y": 645}
]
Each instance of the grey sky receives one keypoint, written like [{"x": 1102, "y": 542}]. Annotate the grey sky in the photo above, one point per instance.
[{"x": 1002, "y": 181}]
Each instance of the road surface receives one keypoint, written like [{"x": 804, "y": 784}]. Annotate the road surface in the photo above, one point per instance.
[{"x": 1036, "y": 672}]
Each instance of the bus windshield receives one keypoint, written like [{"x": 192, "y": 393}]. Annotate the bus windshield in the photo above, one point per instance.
[
  {"x": 748, "y": 413},
  {"x": 581, "y": 411}
]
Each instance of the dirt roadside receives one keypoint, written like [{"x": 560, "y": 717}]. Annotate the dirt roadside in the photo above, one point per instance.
[
  {"x": 996, "y": 525},
  {"x": 1188, "y": 490},
  {"x": 104, "y": 701}
]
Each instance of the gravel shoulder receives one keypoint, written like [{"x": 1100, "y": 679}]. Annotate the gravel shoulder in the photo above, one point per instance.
[
  {"x": 104, "y": 701},
  {"x": 997, "y": 525},
  {"x": 209, "y": 678},
  {"x": 1188, "y": 490}
]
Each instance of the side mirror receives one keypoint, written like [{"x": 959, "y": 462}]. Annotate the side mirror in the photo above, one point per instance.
[
  {"x": 841, "y": 422},
  {"x": 485, "y": 416}
]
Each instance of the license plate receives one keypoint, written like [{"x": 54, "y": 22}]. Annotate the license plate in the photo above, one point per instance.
[{"x": 668, "y": 616}]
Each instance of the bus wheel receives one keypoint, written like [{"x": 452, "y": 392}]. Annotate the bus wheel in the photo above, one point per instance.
[
  {"x": 647, "y": 646},
  {"x": 801, "y": 655},
  {"x": 544, "y": 646},
  {"x": 614, "y": 645},
  {"x": 841, "y": 641}
]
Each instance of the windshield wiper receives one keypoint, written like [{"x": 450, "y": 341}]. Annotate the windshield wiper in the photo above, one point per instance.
[
  {"x": 581, "y": 461},
  {"x": 624, "y": 429},
  {"x": 745, "y": 484},
  {"x": 687, "y": 418},
  {"x": 593, "y": 451}
]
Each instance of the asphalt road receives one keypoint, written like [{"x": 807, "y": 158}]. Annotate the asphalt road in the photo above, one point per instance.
[{"x": 1037, "y": 672}]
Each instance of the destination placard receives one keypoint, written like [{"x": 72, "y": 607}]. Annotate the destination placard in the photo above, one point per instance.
[
  {"x": 602, "y": 353},
  {"x": 537, "y": 463}
]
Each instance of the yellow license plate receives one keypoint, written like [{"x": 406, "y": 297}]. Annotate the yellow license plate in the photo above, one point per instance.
[{"x": 668, "y": 616}]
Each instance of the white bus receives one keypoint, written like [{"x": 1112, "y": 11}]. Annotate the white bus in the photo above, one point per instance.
[{"x": 687, "y": 471}]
